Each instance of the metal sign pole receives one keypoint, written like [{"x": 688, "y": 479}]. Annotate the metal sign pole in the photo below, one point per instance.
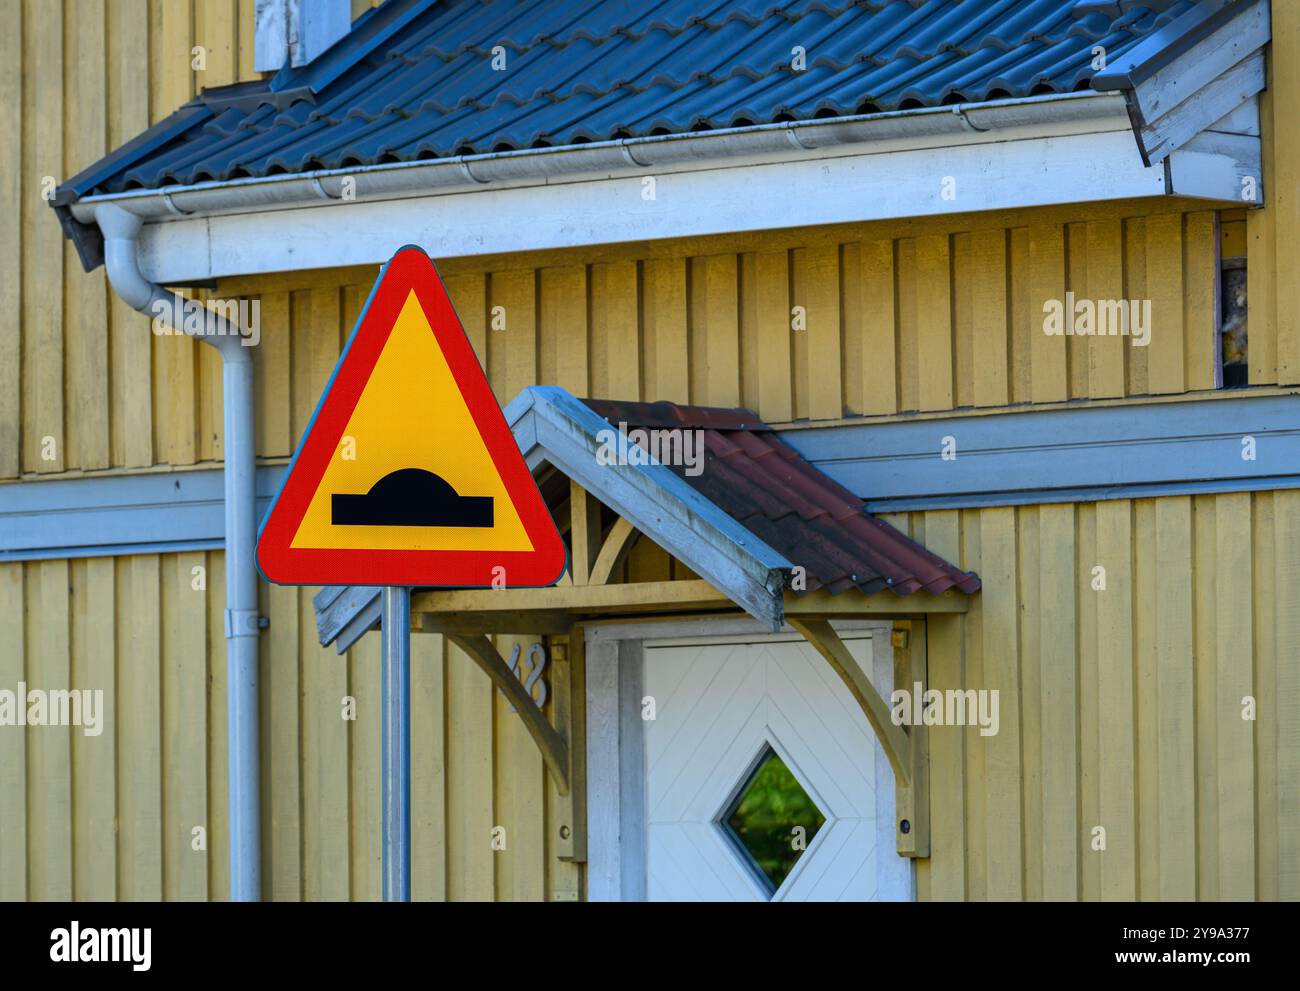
[{"x": 395, "y": 677}]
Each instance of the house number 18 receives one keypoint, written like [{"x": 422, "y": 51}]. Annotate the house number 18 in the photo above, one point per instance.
[{"x": 536, "y": 659}]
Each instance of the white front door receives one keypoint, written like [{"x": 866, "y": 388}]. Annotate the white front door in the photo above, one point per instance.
[{"x": 763, "y": 779}]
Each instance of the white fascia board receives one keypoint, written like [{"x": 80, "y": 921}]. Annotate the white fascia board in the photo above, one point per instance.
[
  {"x": 1083, "y": 152},
  {"x": 733, "y": 199},
  {"x": 1212, "y": 163}
]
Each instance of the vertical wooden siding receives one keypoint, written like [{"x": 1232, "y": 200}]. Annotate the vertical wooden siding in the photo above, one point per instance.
[
  {"x": 877, "y": 325},
  {"x": 79, "y": 78},
  {"x": 934, "y": 319},
  {"x": 1120, "y": 708},
  {"x": 1273, "y": 243},
  {"x": 112, "y": 816}
]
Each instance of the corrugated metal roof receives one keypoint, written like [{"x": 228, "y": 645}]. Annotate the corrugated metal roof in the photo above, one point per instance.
[
  {"x": 766, "y": 486},
  {"x": 415, "y": 79}
]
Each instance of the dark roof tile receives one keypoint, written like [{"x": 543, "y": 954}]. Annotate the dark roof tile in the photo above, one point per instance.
[{"x": 414, "y": 78}]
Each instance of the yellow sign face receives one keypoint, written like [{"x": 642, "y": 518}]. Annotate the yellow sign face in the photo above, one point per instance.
[{"x": 411, "y": 415}]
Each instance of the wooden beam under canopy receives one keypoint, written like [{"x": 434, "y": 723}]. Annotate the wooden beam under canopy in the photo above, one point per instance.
[{"x": 675, "y": 596}]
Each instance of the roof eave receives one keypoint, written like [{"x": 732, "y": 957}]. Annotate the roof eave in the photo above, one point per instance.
[
  {"x": 930, "y": 127},
  {"x": 1063, "y": 149}
]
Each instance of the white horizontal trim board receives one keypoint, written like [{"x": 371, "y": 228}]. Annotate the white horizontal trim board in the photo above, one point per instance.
[{"x": 1001, "y": 155}]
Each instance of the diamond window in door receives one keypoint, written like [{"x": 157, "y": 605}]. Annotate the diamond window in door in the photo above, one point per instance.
[{"x": 772, "y": 820}]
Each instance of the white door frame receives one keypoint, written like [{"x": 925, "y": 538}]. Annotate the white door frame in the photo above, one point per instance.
[{"x": 615, "y": 653}]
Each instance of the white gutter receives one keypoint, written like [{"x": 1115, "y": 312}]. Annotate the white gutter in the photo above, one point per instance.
[
  {"x": 121, "y": 230},
  {"x": 978, "y": 157},
  {"x": 996, "y": 120}
]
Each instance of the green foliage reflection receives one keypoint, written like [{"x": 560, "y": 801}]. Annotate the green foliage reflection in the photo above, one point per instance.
[{"x": 765, "y": 815}]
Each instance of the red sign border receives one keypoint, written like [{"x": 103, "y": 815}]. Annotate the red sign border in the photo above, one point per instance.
[{"x": 409, "y": 270}]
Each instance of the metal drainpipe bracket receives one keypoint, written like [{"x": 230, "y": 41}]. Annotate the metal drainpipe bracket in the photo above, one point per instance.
[
  {"x": 242, "y": 623},
  {"x": 629, "y": 157},
  {"x": 468, "y": 173},
  {"x": 172, "y": 207},
  {"x": 792, "y": 135},
  {"x": 960, "y": 111},
  {"x": 321, "y": 191}
]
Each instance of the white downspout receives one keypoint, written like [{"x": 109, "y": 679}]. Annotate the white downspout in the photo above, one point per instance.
[{"x": 121, "y": 229}]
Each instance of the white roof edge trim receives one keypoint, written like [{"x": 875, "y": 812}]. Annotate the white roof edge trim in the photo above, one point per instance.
[
  {"x": 957, "y": 124},
  {"x": 740, "y": 198},
  {"x": 1052, "y": 151}
]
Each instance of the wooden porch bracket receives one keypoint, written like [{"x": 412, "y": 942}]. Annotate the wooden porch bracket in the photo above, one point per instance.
[
  {"x": 592, "y": 560},
  {"x": 622, "y": 535},
  {"x": 554, "y": 747},
  {"x": 569, "y": 712},
  {"x": 907, "y": 749}
]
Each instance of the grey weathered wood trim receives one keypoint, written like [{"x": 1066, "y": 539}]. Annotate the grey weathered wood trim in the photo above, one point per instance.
[
  {"x": 1173, "y": 130},
  {"x": 296, "y": 31},
  {"x": 346, "y": 613},
  {"x": 615, "y": 773},
  {"x": 1184, "y": 77},
  {"x": 654, "y": 500},
  {"x": 1073, "y": 454},
  {"x": 109, "y": 515}
]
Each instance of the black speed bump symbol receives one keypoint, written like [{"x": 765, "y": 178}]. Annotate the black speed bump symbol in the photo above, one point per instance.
[{"x": 411, "y": 497}]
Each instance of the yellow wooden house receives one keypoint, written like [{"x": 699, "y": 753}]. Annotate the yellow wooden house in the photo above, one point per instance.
[{"x": 972, "y": 337}]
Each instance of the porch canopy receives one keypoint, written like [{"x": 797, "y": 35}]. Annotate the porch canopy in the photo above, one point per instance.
[
  {"x": 756, "y": 528},
  {"x": 759, "y": 528}
]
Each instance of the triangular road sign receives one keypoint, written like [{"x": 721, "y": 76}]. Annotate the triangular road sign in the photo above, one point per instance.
[{"x": 408, "y": 473}]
